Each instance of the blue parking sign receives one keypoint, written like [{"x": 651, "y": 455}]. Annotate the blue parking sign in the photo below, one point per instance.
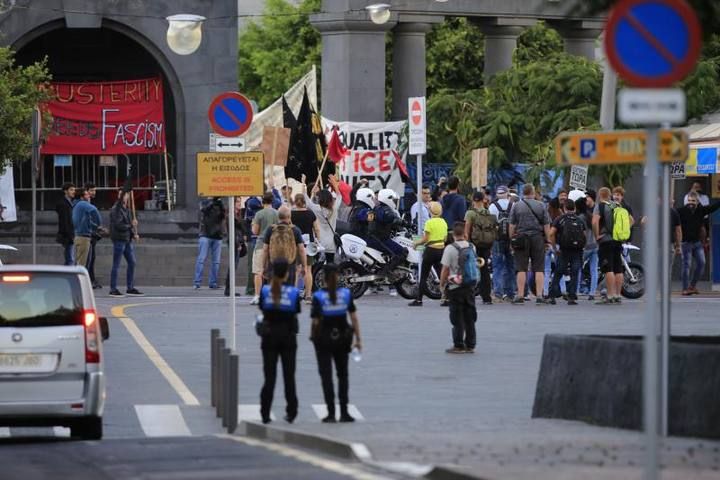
[{"x": 588, "y": 148}]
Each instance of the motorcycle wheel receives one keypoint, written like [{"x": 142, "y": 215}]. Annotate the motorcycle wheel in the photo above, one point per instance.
[
  {"x": 635, "y": 289},
  {"x": 432, "y": 288},
  {"x": 347, "y": 270},
  {"x": 407, "y": 287}
]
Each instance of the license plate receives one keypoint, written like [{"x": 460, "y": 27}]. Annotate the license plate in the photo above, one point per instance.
[{"x": 20, "y": 360}]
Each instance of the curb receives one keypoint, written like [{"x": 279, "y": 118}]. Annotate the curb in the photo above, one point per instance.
[{"x": 349, "y": 450}]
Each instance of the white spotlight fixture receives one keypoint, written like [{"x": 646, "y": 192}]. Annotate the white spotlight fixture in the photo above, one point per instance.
[
  {"x": 184, "y": 33},
  {"x": 379, "y": 12}
]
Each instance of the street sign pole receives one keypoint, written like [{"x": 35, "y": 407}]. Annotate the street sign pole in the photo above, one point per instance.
[
  {"x": 665, "y": 296},
  {"x": 231, "y": 261},
  {"x": 420, "y": 216},
  {"x": 417, "y": 145},
  {"x": 650, "y": 357},
  {"x": 35, "y": 133}
]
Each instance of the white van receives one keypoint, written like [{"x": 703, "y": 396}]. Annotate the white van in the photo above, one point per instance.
[{"x": 51, "y": 356}]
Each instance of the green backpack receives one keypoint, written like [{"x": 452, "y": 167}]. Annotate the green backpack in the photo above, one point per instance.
[
  {"x": 484, "y": 228},
  {"x": 620, "y": 227}
]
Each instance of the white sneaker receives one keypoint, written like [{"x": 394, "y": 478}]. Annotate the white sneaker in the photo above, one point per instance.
[
  {"x": 255, "y": 300},
  {"x": 393, "y": 292}
]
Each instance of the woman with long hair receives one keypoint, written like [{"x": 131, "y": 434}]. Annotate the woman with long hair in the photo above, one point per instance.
[
  {"x": 326, "y": 210},
  {"x": 307, "y": 222},
  {"x": 333, "y": 339},
  {"x": 280, "y": 305}
]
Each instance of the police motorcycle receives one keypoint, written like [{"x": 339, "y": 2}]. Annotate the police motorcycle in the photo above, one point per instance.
[{"x": 364, "y": 266}]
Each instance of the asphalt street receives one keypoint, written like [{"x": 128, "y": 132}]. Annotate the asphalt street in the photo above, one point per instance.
[{"x": 414, "y": 403}]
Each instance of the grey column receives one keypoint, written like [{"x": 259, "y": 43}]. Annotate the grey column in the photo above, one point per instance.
[
  {"x": 500, "y": 43},
  {"x": 581, "y": 37},
  {"x": 353, "y": 66},
  {"x": 409, "y": 66}
]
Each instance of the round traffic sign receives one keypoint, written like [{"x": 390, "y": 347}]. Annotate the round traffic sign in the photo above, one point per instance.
[
  {"x": 417, "y": 113},
  {"x": 230, "y": 114},
  {"x": 652, "y": 43}
]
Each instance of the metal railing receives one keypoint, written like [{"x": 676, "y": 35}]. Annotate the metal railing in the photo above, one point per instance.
[{"x": 109, "y": 173}]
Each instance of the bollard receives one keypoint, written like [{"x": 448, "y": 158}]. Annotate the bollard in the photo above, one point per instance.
[
  {"x": 214, "y": 335},
  {"x": 219, "y": 347},
  {"x": 225, "y": 362},
  {"x": 232, "y": 396}
]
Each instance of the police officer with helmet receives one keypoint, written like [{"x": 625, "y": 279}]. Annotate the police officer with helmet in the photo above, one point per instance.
[
  {"x": 333, "y": 340},
  {"x": 386, "y": 219},
  {"x": 362, "y": 214},
  {"x": 280, "y": 305}
]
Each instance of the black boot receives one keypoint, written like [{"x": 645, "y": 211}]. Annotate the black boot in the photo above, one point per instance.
[
  {"x": 330, "y": 416},
  {"x": 345, "y": 417}
]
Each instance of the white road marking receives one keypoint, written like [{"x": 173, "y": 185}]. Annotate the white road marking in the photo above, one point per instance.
[
  {"x": 321, "y": 412},
  {"x": 305, "y": 457},
  {"x": 61, "y": 431},
  {"x": 251, "y": 413},
  {"x": 4, "y": 431},
  {"x": 173, "y": 379},
  {"x": 162, "y": 421}
]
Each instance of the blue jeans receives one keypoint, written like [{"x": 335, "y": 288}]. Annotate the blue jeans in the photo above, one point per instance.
[
  {"x": 69, "y": 254},
  {"x": 591, "y": 256},
  {"x": 127, "y": 250},
  {"x": 503, "y": 267},
  {"x": 548, "y": 275},
  {"x": 689, "y": 250},
  {"x": 212, "y": 245}
]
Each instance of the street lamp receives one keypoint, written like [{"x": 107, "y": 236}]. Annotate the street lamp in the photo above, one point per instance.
[
  {"x": 379, "y": 13},
  {"x": 184, "y": 33}
]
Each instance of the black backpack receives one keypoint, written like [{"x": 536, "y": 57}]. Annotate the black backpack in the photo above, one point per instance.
[
  {"x": 503, "y": 231},
  {"x": 572, "y": 234}
]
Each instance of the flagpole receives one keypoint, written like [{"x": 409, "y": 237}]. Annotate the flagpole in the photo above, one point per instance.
[
  {"x": 167, "y": 181},
  {"x": 322, "y": 167}
]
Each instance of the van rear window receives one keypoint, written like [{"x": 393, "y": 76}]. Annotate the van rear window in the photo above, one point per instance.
[{"x": 39, "y": 299}]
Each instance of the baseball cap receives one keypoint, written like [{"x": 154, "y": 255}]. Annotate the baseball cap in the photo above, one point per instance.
[{"x": 500, "y": 190}]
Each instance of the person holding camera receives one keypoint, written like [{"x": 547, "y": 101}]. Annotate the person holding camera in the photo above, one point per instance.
[{"x": 123, "y": 231}]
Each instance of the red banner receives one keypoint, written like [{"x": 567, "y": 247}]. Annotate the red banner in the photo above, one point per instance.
[{"x": 107, "y": 118}]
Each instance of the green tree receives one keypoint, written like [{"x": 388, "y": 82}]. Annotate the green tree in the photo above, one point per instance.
[
  {"x": 455, "y": 56},
  {"x": 21, "y": 90},
  {"x": 277, "y": 50},
  {"x": 536, "y": 43}
]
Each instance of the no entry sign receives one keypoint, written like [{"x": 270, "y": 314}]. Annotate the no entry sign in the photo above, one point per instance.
[
  {"x": 652, "y": 43},
  {"x": 417, "y": 127},
  {"x": 230, "y": 114}
]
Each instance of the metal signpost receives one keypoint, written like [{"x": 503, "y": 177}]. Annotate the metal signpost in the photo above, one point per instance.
[
  {"x": 230, "y": 115},
  {"x": 417, "y": 128},
  {"x": 35, "y": 133},
  {"x": 653, "y": 44}
]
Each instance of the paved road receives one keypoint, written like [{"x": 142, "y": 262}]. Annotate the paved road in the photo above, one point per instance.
[{"x": 417, "y": 403}]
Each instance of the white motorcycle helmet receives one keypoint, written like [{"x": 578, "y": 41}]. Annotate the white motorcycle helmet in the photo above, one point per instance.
[
  {"x": 575, "y": 195},
  {"x": 388, "y": 197},
  {"x": 366, "y": 196}
]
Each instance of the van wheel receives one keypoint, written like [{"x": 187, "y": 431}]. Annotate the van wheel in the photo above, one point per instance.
[{"x": 90, "y": 428}]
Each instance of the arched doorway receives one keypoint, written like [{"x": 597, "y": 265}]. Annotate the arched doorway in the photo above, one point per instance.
[{"x": 111, "y": 53}]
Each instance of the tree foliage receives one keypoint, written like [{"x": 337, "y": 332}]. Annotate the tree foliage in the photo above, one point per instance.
[
  {"x": 455, "y": 56},
  {"x": 278, "y": 50},
  {"x": 21, "y": 90},
  {"x": 536, "y": 43}
]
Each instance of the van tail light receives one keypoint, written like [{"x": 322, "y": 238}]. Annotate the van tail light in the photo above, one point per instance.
[{"x": 92, "y": 343}]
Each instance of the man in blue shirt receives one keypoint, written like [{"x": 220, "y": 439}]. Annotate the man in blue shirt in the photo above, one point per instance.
[
  {"x": 86, "y": 221},
  {"x": 454, "y": 205}
]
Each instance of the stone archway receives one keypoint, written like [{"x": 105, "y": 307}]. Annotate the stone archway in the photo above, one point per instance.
[{"x": 113, "y": 52}]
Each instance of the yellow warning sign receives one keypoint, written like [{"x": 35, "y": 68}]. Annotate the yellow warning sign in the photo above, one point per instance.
[{"x": 230, "y": 174}]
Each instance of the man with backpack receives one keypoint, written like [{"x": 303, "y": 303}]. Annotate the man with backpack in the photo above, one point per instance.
[
  {"x": 460, "y": 274},
  {"x": 567, "y": 231},
  {"x": 502, "y": 259},
  {"x": 481, "y": 228},
  {"x": 529, "y": 229},
  {"x": 284, "y": 240},
  {"x": 212, "y": 230},
  {"x": 611, "y": 226}
]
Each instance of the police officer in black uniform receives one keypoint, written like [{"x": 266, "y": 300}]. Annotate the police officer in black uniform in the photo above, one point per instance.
[
  {"x": 333, "y": 339},
  {"x": 361, "y": 215},
  {"x": 385, "y": 221},
  {"x": 280, "y": 305}
]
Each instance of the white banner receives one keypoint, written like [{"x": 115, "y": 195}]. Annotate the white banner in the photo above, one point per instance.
[
  {"x": 8, "y": 213},
  {"x": 373, "y": 153}
]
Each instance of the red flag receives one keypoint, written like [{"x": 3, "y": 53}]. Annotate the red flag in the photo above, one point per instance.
[
  {"x": 401, "y": 166},
  {"x": 336, "y": 149}
]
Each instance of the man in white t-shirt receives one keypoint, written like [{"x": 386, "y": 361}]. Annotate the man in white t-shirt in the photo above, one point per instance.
[
  {"x": 425, "y": 206},
  {"x": 503, "y": 278}
]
